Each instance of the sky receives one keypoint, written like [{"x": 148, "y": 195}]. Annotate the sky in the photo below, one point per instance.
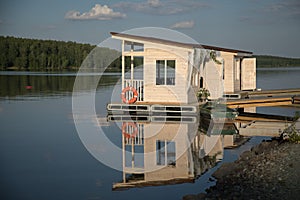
[{"x": 269, "y": 27}]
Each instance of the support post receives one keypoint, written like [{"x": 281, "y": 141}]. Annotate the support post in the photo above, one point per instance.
[{"x": 123, "y": 64}]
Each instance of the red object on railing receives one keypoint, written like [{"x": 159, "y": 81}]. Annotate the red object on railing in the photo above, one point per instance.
[{"x": 133, "y": 99}]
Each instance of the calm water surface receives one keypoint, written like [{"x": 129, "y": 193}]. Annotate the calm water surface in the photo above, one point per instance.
[{"x": 42, "y": 156}]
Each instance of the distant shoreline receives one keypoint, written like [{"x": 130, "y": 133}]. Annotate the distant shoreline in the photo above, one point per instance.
[
  {"x": 75, "y": 69},
  {"x": 267, "y": 61},
  {"x": 49, "y": 55}
]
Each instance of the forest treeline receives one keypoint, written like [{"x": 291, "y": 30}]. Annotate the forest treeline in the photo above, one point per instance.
[
  {"x": 44, "y": 55},
  {"x": 276, "y": 61}
]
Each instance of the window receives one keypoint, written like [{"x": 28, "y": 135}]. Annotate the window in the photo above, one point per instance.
[
  {"x": 138, "y": 67},
  {"x": 160, "y": 72},
  {"x": 138, "y": 63},
  {"x": 165, "y": 72},
  {"x": 133, "y": 46},
  {"x": 127, "y": 66},
  {"x": 165, "y": 153}
]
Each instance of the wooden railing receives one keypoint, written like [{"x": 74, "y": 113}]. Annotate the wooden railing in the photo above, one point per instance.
[{"x": 138, "y": 85}]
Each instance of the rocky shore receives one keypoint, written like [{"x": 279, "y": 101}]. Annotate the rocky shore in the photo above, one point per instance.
[{"x": 270, "y": 170}]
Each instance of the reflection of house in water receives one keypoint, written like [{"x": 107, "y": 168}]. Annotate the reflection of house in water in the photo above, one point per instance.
[{"x": 167, "y": 153}]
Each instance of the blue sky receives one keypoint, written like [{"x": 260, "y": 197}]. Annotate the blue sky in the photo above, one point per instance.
[{"x": 265, "y": 27}]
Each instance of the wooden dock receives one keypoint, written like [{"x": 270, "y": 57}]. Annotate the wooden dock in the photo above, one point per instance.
[
  {"x": 286, "y": 97},
  {"x": 277, "y": 92}
]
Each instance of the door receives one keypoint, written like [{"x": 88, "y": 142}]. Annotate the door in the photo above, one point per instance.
[{"x": 248, "y": 74}]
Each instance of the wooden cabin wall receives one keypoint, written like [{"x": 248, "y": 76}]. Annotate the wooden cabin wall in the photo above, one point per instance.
[{"x": 165, "y": 93}]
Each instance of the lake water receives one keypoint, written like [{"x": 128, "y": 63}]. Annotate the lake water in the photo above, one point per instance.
[{"x": 42, "y": 156}]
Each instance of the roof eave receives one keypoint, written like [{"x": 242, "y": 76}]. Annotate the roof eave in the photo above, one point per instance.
[{"x": 178, "y": 44}]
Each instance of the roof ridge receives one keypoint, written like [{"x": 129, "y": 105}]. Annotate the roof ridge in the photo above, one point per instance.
[{"x": 181, "y": 44}]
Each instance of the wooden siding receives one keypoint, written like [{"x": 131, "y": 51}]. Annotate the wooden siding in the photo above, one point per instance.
[
  {"x": 239, "y": 73},
  {"x": 166, "y": 93}
]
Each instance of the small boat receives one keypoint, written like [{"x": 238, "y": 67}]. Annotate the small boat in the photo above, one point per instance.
[{"x": 215, "y": 110}]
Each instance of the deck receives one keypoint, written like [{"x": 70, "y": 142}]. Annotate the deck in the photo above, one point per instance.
[{"x": 281, "y": 97}]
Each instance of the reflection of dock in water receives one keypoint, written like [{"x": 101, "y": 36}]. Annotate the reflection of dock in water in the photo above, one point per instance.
[
  {"x": 255, "y": 124},
  {"x": 249, "y": 117},
  {"x": 262, "y": 128}
]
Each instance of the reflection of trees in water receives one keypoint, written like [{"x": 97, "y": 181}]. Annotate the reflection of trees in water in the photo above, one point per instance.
[{"x": 15, "y": 85}]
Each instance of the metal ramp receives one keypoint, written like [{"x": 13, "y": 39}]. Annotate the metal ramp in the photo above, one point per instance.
[
  {"x": 174, "y": 109},
  {"x": 126, "y": 107},
  {"x": 153, "y": 109}
]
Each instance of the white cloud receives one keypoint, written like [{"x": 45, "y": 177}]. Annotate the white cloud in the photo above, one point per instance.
[
  {"x": 139, "y": 6},
  {"x": 98, "y": 12},
  {"x": 184, "y": 24},
  {"x": 157, "y": 7},
  {"x": 288, "y": 9},
  {"x": 154, "y": 3},
  {"x": 284, "y": 6}
]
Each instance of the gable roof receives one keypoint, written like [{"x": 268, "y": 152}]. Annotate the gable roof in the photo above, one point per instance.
[{"x": 178, "y": 44}]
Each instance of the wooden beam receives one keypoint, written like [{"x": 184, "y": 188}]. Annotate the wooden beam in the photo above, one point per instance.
[
  {"x": 259, "y": 100},
  {"x": 261, "y": 104},
  {"x": 275, "y": 92}
]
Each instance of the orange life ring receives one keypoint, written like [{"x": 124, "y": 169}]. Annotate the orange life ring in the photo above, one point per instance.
[
  {"x": 133, "y": 99},
  {"x": 134, "y": 128}
]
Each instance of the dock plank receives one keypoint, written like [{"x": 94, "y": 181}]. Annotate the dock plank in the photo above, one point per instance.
[
  {"x": 279, "y": 97},
  {"x": 259, "y": 102}
]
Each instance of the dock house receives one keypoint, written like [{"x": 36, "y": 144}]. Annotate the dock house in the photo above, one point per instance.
[{"x": 160, "y": 71}]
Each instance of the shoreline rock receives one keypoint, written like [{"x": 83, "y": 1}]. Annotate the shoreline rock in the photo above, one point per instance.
[{"x": 270, "y": 170}]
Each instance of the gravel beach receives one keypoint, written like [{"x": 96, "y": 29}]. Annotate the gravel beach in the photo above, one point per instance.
[{"x": 270, "y": 170}]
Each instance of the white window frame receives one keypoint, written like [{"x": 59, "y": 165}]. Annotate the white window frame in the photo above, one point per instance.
[{"x": 166, "y": 74}]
